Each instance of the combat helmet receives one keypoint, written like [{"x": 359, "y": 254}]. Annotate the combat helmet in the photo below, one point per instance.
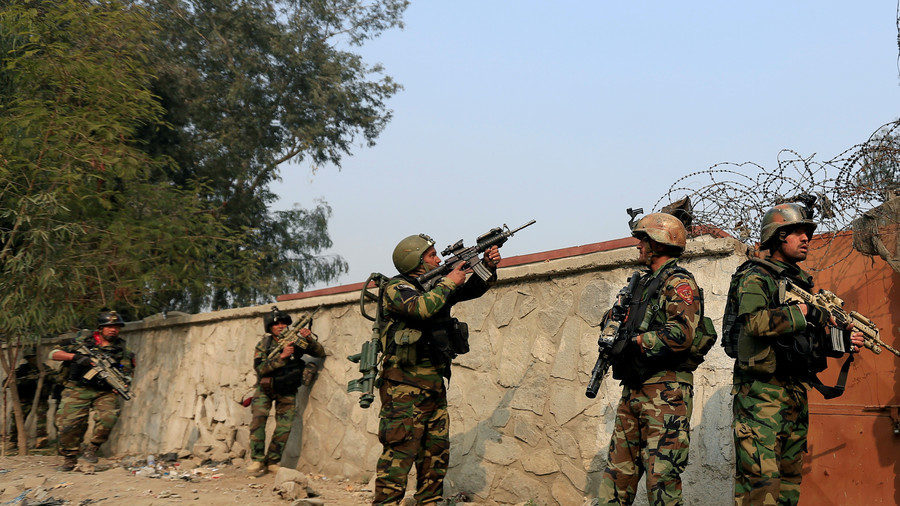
[
  {"x": 109, "y": 319},
  {"x": 662, "y": 228},
  {"x": 781, "y": 217},
  {"x": 409, "y": 252},
  {"x": 276, "y": 316}
]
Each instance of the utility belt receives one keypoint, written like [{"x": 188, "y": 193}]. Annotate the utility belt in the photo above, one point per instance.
[{"x": 441, "y": 341}]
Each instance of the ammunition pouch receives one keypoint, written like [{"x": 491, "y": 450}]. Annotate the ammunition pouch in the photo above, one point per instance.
[
  {"x": 405, "y": 346},
  {"x": 804, "y": 357},
  {"x": 447, "y": 339},
  {"x": 799, "y": 354}
]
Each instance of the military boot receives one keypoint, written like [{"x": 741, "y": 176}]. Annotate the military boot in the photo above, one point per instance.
[
  {"x": 90, "y": 453},
  {"x": 256, "y": 468},
  {"x": 69, "y": 463},
  {"x": 273, "y": 468}
]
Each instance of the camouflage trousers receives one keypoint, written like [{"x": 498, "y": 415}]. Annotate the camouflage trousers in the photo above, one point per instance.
[
  {"x": 771, "y": 421},
  {"x": 414, "y": 428},
  {"x": 284, "y": 418},
  {"x": 652, "y": 434},
  {"x": 40, "y": 422},
  {"x": 72, "y": 417}
]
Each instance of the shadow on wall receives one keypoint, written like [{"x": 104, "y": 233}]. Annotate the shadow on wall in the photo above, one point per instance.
[
  {"x": 468, "y": 474},
  {"x": 291, "y": 455},
  {"x": 711, "y": 451}
]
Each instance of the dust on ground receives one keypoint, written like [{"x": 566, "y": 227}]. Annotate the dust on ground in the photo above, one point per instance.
[{"x": 33, "y": 480}]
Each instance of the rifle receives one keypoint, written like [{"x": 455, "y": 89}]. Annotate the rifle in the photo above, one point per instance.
[
  {"x": 832, "y": 305},
  {"x": 367, "y": 358},
  {"x": 292, "y": 334},
  {"x": 457, "y": 252},
  {"x": 106, "y": 369},
  {"x": 612, "y": 340}
]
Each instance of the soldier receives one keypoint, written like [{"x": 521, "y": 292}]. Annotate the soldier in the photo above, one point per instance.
[
  {"x": 27, "y": 379},
  {"x": 420, "y": 339},
  {"x": 771, "y": 417},
  {"x": 277, "y": 382},
  {"x": 80, "y": 395},
  {"x": 652, "y": 428}
]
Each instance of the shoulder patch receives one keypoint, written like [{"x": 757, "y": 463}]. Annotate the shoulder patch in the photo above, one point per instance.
[{"x": 686, "y": 293}]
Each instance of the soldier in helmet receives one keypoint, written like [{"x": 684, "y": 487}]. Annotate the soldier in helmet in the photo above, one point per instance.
[
  {"x": 656, "y": 366},
  {"x": 278, "y": 379},
  {"x": 771, "y": 417},
  {"x": 81, "y": 394},
  {"x": 419, "y": 340}
]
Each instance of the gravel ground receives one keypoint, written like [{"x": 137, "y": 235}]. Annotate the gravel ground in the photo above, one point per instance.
[{"x": 121, "y": 481}]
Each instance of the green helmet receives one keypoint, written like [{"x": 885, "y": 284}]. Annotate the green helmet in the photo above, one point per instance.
[
  {"x": 662, "y": 228},
  {"x": 408, "y": 253},
  {"x": 783, "y": 216}
]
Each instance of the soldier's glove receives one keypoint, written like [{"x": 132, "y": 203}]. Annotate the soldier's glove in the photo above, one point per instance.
[
  {"x": 82, "y": 360},
  {"x": 817, "y": 316}
]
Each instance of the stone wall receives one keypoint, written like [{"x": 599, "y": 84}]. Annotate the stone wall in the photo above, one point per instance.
[{"x": 521, "y": 426}]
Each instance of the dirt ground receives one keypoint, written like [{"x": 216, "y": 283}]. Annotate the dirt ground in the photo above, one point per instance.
[{"x": 113, "y": 481}]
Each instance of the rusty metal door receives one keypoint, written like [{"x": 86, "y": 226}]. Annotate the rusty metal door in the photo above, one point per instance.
[{"x": 854, "y": 440}]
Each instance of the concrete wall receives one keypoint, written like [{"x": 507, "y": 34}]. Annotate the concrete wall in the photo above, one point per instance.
[{"x": 521, "y": 427}]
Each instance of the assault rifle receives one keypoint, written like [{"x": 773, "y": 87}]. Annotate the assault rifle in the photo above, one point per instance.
[
  {"x": 106, "y": 368},
  {"x": 832, "y": 305},
  {"x": 612, "y": 340},
  {"x": 292, "y": 334},
  {"x": 457, "y": 252},
  {"x": 368, "y": 358}
]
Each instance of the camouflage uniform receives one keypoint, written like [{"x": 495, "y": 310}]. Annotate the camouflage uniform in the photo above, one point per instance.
[
  {"x": 771, "y": 416},
  {"x": 79, "y": 396},
  {"x": 286, "y": 377},
  {"x": 27, "y": 376},
  {"x": 652, "y": 429},
  {"x": 414, "y": 425}
]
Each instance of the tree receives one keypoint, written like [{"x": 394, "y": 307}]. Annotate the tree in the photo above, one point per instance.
[
  {"x": 248, "y": 86},
  {"x": 84, "y": 221}
]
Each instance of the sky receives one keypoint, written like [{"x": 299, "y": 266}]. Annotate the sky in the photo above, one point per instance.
[{"x": 570, "y": 112}]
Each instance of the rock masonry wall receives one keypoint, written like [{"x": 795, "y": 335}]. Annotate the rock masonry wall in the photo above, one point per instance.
[{"x": 521, "y": 426}]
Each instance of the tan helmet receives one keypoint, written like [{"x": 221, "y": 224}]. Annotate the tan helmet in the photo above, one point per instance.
[
  {"x": 662, "y": 228},
  {"x": 783, "y": 216},
  {"x": 409, "y": 252}
]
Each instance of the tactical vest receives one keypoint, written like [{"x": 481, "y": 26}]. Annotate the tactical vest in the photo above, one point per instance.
[
  {"x": 287, "y": 379},
  {"x": 633, "y": 368},
  {"x": 442, "y": 338},
  {"x": 76, "y": 372},
  {"x": 797, "y": 356}
]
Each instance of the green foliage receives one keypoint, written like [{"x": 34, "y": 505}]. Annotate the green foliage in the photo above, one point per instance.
[
  {"x": 83, "y": 223},
  {"x": 247, "y": 86}
]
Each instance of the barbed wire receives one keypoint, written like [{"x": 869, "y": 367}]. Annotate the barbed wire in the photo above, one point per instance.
[{"x": 732, "y": 197}]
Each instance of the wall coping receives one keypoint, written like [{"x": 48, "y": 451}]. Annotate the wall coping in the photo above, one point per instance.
[{"x": 600, "y": 256}]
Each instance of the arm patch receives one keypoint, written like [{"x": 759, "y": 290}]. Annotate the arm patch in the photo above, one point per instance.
[{"x": 686, "y": 293}]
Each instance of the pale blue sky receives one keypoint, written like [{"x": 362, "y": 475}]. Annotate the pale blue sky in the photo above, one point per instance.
[{"x": 569, "y": 112}]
